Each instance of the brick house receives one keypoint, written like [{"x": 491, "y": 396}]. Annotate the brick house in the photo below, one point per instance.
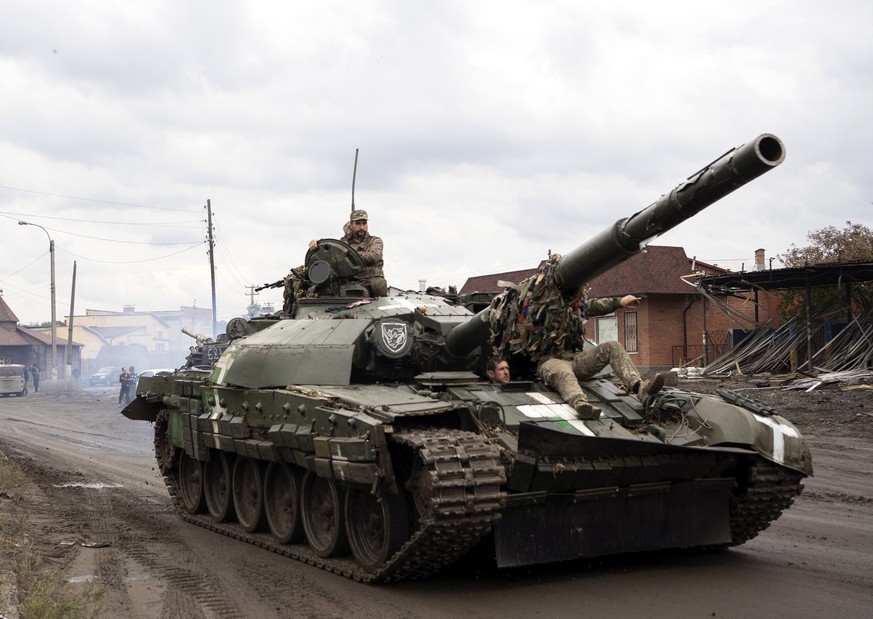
[{"x": 667, "y": 330}]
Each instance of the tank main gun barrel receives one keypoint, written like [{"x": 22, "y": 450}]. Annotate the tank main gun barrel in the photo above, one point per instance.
[
  {"x": 629, "y": 236},
  {"x": 201, "y": 339}
]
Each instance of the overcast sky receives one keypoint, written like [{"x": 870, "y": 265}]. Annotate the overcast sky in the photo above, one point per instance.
[{"x": 490, "y": 132}]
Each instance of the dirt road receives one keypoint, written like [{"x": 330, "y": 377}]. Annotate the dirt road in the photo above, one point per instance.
[{"x": 91, "y": 499}]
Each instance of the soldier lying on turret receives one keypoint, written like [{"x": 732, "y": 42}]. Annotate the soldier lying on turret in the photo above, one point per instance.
[{"x": 537, "y": 320}]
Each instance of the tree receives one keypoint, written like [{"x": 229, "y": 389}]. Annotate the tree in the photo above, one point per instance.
[{"x": 831, "y": 246}]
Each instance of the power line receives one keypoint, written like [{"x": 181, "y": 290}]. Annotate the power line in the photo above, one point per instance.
[
  {"x": 60, "y": 195},
  {"x": 99, "y": 221},
  {"x": 223, "y": 249},
  {"x": 198, "y": 244},
  {"x": 22, "y": 268},
  {"x": 98, "y": 238}
]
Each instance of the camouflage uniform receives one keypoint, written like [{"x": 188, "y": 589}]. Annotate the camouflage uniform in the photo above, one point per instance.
[
  {"x": 370, "y": 250},
  {"x": 535, "y": 319},
  {"x": 563, "y": 371}
]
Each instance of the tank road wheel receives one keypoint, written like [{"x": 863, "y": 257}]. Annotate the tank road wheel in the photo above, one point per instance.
[
  {"x": 165, "y": 451},
  {"x": 191, "y": 484},
  {"x": 420, "y": 487},
  {"x": 323, "y": 518},
  {"x": 282, "y": 502},
  {"x": 248, "y": 493},
  {"x": 217, "y": 486},
  {"x": 377, "y": 526}
]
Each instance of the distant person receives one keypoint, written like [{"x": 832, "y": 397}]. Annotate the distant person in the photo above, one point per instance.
[
  {"x": 34, "y": 374},
  {"x": 498, "y": 371},
  {"x": 26, "y": 377},
  {"x": 131, "y": 385},
  {"x": 369, "y": 247},
  {"x": 123, "y": 379}
]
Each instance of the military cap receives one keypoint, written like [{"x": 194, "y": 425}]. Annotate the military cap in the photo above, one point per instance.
[{"x": 358, "y": 214}]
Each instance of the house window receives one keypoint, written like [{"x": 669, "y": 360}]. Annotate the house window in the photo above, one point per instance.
[
  {"x": 631, "y": 343},
  {"x": 607, "y": 329}
]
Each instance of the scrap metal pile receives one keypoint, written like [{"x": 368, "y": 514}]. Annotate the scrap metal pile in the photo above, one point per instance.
[{"x": 787, "y": 348}]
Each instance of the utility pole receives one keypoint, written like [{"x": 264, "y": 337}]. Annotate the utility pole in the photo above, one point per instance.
[
  {"x": 69, "y": 352},
  {"x": 54, "y": 362},
  {"x": 252, "y": 295},
  {"x": 211, "y": 253}
]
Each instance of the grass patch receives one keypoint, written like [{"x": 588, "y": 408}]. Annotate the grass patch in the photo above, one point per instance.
[
  {"x": 43, "y": 590},
  {"x": 10, "y": 478}
]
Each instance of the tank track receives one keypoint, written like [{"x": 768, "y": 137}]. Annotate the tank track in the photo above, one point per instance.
[
  {"x": 466, "y": 477},
  {"x": 768, "y": 490}
]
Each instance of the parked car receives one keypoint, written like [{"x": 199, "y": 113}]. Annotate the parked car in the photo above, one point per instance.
[
  {"x": 12, "y": 380},
  {"x": 156, "y": 372},
  {"x": 105, "y": 376}
]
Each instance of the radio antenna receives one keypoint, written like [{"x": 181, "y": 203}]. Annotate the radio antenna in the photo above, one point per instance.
[{"x": 354, "y": 175}]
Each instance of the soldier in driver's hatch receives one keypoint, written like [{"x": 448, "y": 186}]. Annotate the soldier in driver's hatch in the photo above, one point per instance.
[{"x": 369, "y": 248}]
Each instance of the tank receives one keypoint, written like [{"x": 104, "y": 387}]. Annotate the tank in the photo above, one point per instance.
[{"x": 357, "y": 435}]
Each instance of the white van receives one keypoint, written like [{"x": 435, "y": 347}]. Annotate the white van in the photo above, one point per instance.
[{"x": 12, "y": 380}]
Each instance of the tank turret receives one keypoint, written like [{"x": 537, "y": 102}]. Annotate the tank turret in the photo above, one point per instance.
[{"x": 351, "y": 425}]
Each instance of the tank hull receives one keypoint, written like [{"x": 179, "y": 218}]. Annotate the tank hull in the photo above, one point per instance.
[{"x": 547, "y": 486}]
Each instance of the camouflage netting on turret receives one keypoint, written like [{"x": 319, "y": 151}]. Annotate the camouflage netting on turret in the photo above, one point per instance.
[{"x": 536, "y": 319}]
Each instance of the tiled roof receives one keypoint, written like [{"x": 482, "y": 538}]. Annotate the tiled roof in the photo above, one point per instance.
[
  {"x": 6, "y": 314},
  {"x": 656, "y": 271},
  {"x": 23, "y": 336},
  {"x": 14, "y": 338},
  {"x": 488, "y": 283},
  {"x": 43, "y": 338},
  {"x": 44, "y": 335}
]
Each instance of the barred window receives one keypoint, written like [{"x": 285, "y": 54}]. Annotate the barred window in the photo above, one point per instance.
[{"x": 631, "y": 343}]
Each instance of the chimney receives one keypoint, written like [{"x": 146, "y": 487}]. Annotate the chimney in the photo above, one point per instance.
[{"x": 759, "y": 259}]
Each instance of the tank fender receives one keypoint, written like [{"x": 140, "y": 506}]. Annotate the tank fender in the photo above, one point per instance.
[
  {"x": 143, "y": 408},
  {"x": 773, "y": 437}
]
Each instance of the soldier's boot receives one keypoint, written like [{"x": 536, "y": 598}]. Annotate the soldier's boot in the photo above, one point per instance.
[
  {"x": 585, "y": 410},
  {"x": 650, "y": 386}
]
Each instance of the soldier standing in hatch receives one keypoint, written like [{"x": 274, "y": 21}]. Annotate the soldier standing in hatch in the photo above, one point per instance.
[{"x": 369, "y": 248}]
